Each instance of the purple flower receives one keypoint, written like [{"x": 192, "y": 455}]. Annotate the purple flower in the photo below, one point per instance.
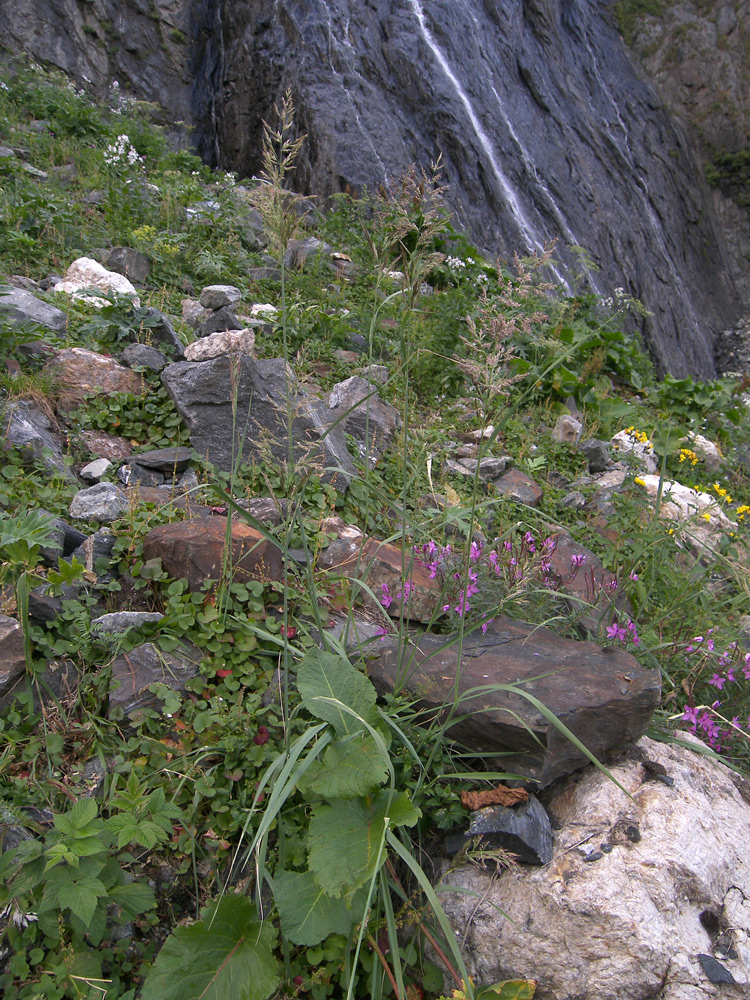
[
  {"x": 475, "y": 552},
  {"x": 633, "y": 575},
  {"x": 576, "y": 561},
  {"x": 385, "y": 600},
  {"x": 690, "y": 715},
  {"x": 529, "y": 540},
  {"x": 615, "y": 631},
  {"x": 718, "y": 681},
  {"x": 507, "y": 545}
]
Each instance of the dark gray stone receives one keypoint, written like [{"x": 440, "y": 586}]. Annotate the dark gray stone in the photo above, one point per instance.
[
  {"x": 24, "y": 426},
  {"x": 66, "y": 539},
  {"x": 12, "y": 831},
  {"x": 133, "y": 673},
  {"x": 116, "y": 624},
  {"x": 19, "y": 306},
  {"x": 602, "y": 695},
  {"x": 523, "y": 830},
  {"x": 264, "y": 274},
  {"x": 133, "y": 473},
  {"x": 132, "y": 263},
  {"x": 218, "y": 321},
  {"x": 300, "y": 253},
  {"x": 12, "y": 656},
  {"x": 202, "y": 392},
  {"x": 714, "y": 970},
  {"x": 143, "y": 356},
  {"x": 104, "y": 502},
  {"x": 597, "y": 455},
  {"x": 162, "y": 333},
  {"x": 97, "y": 548},
  {"x": 364, "y": 415},
  {"x": 166, "y": 460},
  {"x": 217, "y": 296}
]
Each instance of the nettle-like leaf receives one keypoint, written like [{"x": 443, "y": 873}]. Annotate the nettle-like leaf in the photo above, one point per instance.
[
  {"x": 227, "y": 953},
  {"x": 329, "y": 685},
  {"x": 345, "y": 838},
  {"x": 133, "y": 898},
  {"x": 308, "y": 915},
  {"x": 350, "y": 768}
]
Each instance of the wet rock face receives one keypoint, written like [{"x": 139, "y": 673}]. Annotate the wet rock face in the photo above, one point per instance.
[{"x": 545, "y": 130}]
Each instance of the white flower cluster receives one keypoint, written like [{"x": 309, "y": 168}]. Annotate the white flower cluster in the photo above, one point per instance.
[
  {"x": 455, "y": 264},
  {"x": 122, "y": 153},
  {"x": 619, "y": 295}
]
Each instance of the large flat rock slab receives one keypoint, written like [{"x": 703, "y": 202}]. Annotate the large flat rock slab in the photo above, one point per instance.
[
  {"x": 602, "y": 695},
  {"x": 206, "y": 393},
  {"x": 195, "y": 550}
]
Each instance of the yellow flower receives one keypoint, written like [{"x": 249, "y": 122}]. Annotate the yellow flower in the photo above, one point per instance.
[
  {"x": 639, "y": 482},
  {"x": 706, "y": 516}
]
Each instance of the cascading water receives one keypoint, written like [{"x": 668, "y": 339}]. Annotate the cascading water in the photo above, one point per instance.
[{"x": 544, "y": 128}]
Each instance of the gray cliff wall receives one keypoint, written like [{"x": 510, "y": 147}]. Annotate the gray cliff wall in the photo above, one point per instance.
[{"x": 545, "y": 128}]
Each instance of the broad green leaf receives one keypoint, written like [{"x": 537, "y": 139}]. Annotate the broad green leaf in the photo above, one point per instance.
[
  {"x": 350, "y": 768},
  {"x": 307, "y": 914},
  {"x": 228, "y": 953},
  {"x": 346, "y": 838},
  {"x": 81, "y": 896},
  {"x": 79, "y": 817},
  {"x": 329, "y": 685},
  {"x": 510, "y": 989},
  {"x": 133, "y": 898}
]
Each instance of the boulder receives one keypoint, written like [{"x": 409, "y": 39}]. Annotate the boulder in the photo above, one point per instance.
[
  {"x": 118, "y": 622},
  {"x": 203, "y": 391},
  {"x": 218, "y": 321},
  {"x": 143, "y": 356},
  {"x": 301, "y": 252},
  {"x": 597, "y": 455},
  {"x": 107, "y": 445},
  {"x": 602, "y": 695},
  {"x": 162, "y": 334},
  {"x": 629, "y": 442},
  {"x": 641, "y": 887},
  {"x": 78, "y": 372},
  {"x": 596, "y": 590},
  {"x": 489, "y": 468},
  {"x": 12, "y": 656},
  {"x": 134, "y": 672},
  {"x": 20, "y": 306},
  {"x": 567, "y": 430},
  {"x": 195, "y": 550},
  {"x": 401, "y": 585},
  {"x": 24, "y": 426},
  {"x": 103, "y": 502},
  {"x": 131, "y": 263},
  {"x": 516, "y": 485},
  {"x": 132, "y": 473},
  {"x": 193, "y": 312},
  {"x": 95, "y": 553},
  {"x": 216, "y": 296},
  {"x": 703, "y": 521},
  {"x": 85, "y": 276},
  {"x": 364, "y": 415},
  {"x": 66, "y": 540},
  {"x": 224, "y": 342},
  {"x": 166, "y": 460}
]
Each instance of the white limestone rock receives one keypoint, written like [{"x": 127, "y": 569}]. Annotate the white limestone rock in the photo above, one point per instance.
[
  {"x": 225, "y": 342},
  {"x": 625, "y": 924},
  {"x": 85, "y": 274}
]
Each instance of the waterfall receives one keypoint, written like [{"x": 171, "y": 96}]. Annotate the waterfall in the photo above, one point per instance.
[{"x": 510, "y": 196}]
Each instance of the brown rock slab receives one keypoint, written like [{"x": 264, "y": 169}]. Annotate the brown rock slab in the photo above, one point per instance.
[
  {"x": 602, "y": 695},
  {"x": 194, "y": 550},
  {"x": 79, "y": 371},
  {"x": 516, "y": 485},
  {"x": 590, "y": 582},
  {"x": 108, "y": 446},
  {"x": 382, "y": 564}
]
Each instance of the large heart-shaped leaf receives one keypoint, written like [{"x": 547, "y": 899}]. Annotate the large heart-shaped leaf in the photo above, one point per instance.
[
  {"x": 335, "y": 691},
  {"x": 346, "y": 837},
  {"x": 227, "y": 953},
  {"x": 308, "y": 915}
]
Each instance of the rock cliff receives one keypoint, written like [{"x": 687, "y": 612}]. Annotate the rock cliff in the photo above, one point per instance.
[{"x": 545, "y": 129}]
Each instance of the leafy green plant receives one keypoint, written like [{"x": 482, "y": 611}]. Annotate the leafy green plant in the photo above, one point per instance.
[{"x": 79, "y": 889}]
